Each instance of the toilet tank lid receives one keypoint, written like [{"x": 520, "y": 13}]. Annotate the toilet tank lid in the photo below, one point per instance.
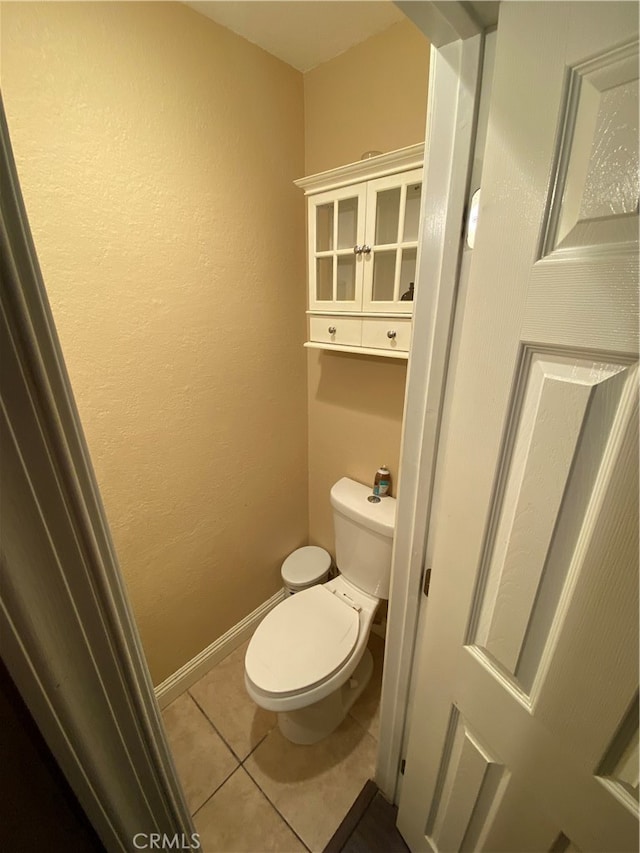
[{"x": 351, "y": 499}]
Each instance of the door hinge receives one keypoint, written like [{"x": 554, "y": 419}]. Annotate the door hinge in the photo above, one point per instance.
[
  {"x": 426, "y": 583},
  {"x": 403, "y": 764}
]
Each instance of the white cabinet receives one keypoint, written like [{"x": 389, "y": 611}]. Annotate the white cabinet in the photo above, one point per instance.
[{"x": 363, "y": 225}]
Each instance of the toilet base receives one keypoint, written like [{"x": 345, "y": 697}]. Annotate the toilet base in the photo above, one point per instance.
[{"x": 317, "y": 721}]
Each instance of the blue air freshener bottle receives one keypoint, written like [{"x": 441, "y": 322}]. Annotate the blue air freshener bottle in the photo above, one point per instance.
[{"x": 382, "y": 481}]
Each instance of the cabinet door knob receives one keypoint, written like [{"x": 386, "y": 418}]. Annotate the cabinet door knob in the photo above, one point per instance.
[
  {"x": 357, "y": 250},
  {"x": 366, "y": 250},
  {"x": 391, "y": 334},
  {"x": 332, "y": 330}
]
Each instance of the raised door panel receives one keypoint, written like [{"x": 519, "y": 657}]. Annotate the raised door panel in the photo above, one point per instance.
[{"x": 595, "y": 202}]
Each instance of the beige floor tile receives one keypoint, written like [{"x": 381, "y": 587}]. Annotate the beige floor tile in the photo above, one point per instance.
[
  {"x": 240, "y": 818},
  {"x": 202, "y": 759},
  {"x": 223, "y": 697},
  {"x": 367, "y": 709},
  {"x": 313, "y": 787}
]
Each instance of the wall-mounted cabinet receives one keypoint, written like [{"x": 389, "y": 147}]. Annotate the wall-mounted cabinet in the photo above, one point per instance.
[{"x": 363, "y": 226}]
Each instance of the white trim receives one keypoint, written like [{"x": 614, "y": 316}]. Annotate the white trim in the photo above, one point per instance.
[
  {"x": 383, "y": 353},
  {"x": 445, "y": 22},
  {"x": 364, "y": 170},
  {"x": 69, "y": 639},
  {"x": 199, "y": 665},
  {"x": 453, "y": 87},
  {"x": 362, "y": 314}
]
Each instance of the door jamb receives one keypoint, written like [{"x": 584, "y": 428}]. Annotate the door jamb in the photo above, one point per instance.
[{"x": 455, "y": 73}]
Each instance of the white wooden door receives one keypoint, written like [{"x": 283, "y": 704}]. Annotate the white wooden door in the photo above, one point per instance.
[{"x": 524, "y": 721}]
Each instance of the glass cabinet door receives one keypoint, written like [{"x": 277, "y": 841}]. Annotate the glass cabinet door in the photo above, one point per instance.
[
  {"x": 391, "y": 242},
  {"x": 336, "y": 235}
]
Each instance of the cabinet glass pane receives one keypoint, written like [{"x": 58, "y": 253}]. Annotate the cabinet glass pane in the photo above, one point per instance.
[
  {"x": 324, "y": 279},
  {"x": 347, "y": 222},
  {"x": 384, "y": 272},
  {"x": 407, "y": 275},
  {"x": 412, "y": 213},
  {"x": 387, "y": 215},
  {"x": 346, "y": 284},
  {"x": 324, "y": 227}
]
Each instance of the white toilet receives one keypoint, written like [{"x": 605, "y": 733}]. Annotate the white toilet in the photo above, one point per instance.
[{"x": 308, "y": 659}]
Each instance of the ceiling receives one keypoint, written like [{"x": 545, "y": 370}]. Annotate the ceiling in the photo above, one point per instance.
[{"x": 303, "y": 34}]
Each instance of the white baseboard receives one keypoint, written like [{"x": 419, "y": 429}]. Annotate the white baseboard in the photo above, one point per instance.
[{"x": 198, "y": 666}]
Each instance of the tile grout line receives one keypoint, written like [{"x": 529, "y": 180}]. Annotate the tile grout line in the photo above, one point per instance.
[
  {"x": 253, "y": 748},
  {"x": 241, "y": 765},
  {"x": 215, "y": 728},
  {"x": 214, "y": 792},
  {"x": 273, "y": 805},
  {"x": 222, "y": 737},
  {"x": 233, "y": 772},
  {"x": 229, "y": 775}
]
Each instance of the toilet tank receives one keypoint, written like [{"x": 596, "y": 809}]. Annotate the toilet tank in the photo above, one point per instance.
[{"x": 364, "y": 536}]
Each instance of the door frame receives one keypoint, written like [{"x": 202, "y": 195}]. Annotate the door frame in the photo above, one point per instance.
[
  {"x": 454, "y": 97},
  {"x": 130, "y": 715}
]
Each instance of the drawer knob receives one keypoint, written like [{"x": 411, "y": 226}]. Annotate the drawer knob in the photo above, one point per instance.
[
  {"x": 391, "y": 334},
  {"x": 366, "y": 250},
  {"x": 357, "y": 250},
  {"x": 332, "y": 330}
]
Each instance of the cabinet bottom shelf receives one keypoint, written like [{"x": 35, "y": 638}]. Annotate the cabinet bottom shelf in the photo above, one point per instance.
[{"x": 383, "y": 353}]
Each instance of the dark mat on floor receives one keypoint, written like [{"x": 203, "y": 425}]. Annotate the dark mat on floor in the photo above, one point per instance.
[{"x": 369, "y": 826}]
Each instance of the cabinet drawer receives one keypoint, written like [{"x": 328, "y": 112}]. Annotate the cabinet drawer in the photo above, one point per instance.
[
  {"x": 347, "y": 330},
  {"x": 378, "y": 333}
]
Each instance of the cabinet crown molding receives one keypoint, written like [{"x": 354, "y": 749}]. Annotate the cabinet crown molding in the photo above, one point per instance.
[{"x": 411, "y": 157}]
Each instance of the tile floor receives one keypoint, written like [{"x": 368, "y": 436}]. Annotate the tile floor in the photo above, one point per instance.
[{"x": 248, "y": 788}]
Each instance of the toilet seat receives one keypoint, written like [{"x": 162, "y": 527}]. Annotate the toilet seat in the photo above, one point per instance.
[{"x": 302, "y": 642}]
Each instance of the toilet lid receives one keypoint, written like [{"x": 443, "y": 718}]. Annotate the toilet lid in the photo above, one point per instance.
[
  {"x": 305, "y": 566},
  {"x": 303, "y": 641}
]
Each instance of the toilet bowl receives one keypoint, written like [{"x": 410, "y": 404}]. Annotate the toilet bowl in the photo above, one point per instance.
[{"x": 308, "y": 659}]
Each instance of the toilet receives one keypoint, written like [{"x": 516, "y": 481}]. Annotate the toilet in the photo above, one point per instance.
[{"x": 308, "y": 659}]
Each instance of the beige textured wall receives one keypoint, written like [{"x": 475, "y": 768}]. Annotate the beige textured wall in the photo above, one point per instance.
[
  {"x": 355, "y": 423},
  {"x": 156, "y": 152},
  {"x": 373, "y": 96}
]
